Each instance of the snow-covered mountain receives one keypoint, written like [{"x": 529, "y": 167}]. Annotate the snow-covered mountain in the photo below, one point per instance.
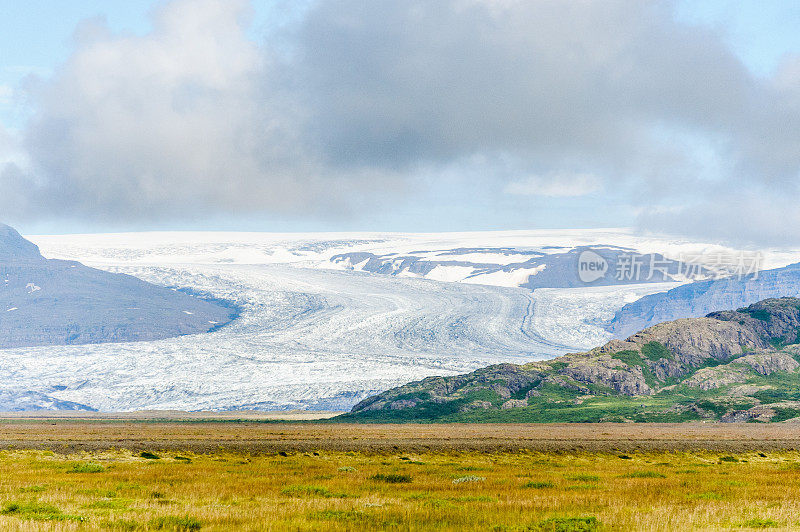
[
  {"x": 556, "y": 267},
  {"x": 50, "y": 302},
  {"x": 314, "y": 333}
]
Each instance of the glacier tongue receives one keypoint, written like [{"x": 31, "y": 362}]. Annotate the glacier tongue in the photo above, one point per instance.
[{"x": 306, "y": 339}]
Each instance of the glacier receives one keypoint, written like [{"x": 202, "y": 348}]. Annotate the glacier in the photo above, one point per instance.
[{"x": 313, "y": 334}]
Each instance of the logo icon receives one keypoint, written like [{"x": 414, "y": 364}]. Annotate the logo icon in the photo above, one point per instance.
[{"x": 591, "y": 266}]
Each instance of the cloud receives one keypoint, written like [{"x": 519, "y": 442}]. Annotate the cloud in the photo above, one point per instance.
[
  {"x": 657, "y": 109},
  {"x": 555, "y": 185},
  {"x": 349, "y": 103},
  {"x": 10, "y": 149},
  {"x": 183, "y": 121}
]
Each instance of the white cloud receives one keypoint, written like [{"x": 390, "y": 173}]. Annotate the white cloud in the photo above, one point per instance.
[
  {"x": 354, "y": 99},
  {"x": 186, "y": 119},
  {"x": 556, "y": 185}
]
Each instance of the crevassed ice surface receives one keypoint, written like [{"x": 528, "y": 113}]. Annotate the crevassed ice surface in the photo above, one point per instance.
[
  {"x": 310, "y": 335},
  {"x": 306, "y": 338}
]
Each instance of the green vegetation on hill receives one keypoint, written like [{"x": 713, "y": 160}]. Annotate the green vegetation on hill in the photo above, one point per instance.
[{"x": 739, "y": 365}]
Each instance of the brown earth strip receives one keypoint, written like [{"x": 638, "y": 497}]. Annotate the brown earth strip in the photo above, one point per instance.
[{"x": 67, "y": 436}]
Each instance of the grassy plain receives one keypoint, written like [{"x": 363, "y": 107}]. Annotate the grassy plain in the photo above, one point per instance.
[{"x": 70, "y": 475}]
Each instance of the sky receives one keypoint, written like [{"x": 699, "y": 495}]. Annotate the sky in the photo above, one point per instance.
[{"x": 402, "y": 115}]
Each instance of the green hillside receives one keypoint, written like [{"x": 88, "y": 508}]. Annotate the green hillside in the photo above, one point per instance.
[{"x": 741, "y": 365}]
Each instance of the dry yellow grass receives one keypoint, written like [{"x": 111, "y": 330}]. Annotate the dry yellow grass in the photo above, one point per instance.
[
  {"x": 89, "y": 474},
  {"x": 436, "y": 490}
]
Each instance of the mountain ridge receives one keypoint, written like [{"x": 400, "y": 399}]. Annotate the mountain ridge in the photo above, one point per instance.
[
  {"x": 702, "y": 297},
  {"x": 532, "y": 269}
]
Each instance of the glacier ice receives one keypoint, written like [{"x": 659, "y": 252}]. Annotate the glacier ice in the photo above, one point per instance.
[{"x": 311, "y": 334}]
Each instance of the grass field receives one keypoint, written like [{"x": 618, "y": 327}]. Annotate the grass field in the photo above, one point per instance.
[
  {"x": 120, "y": 490},
  {"x": 151, "y": 482}
]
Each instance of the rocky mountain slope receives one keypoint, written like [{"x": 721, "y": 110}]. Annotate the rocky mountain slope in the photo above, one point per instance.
[
  {"x": 701, "y": 297},
  {"x": 57, "y": 302},
  {"x": 730, "y": 366}
]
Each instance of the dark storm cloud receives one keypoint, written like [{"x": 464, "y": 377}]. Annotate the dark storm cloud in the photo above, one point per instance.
[{"x": 591, "y": 85}]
